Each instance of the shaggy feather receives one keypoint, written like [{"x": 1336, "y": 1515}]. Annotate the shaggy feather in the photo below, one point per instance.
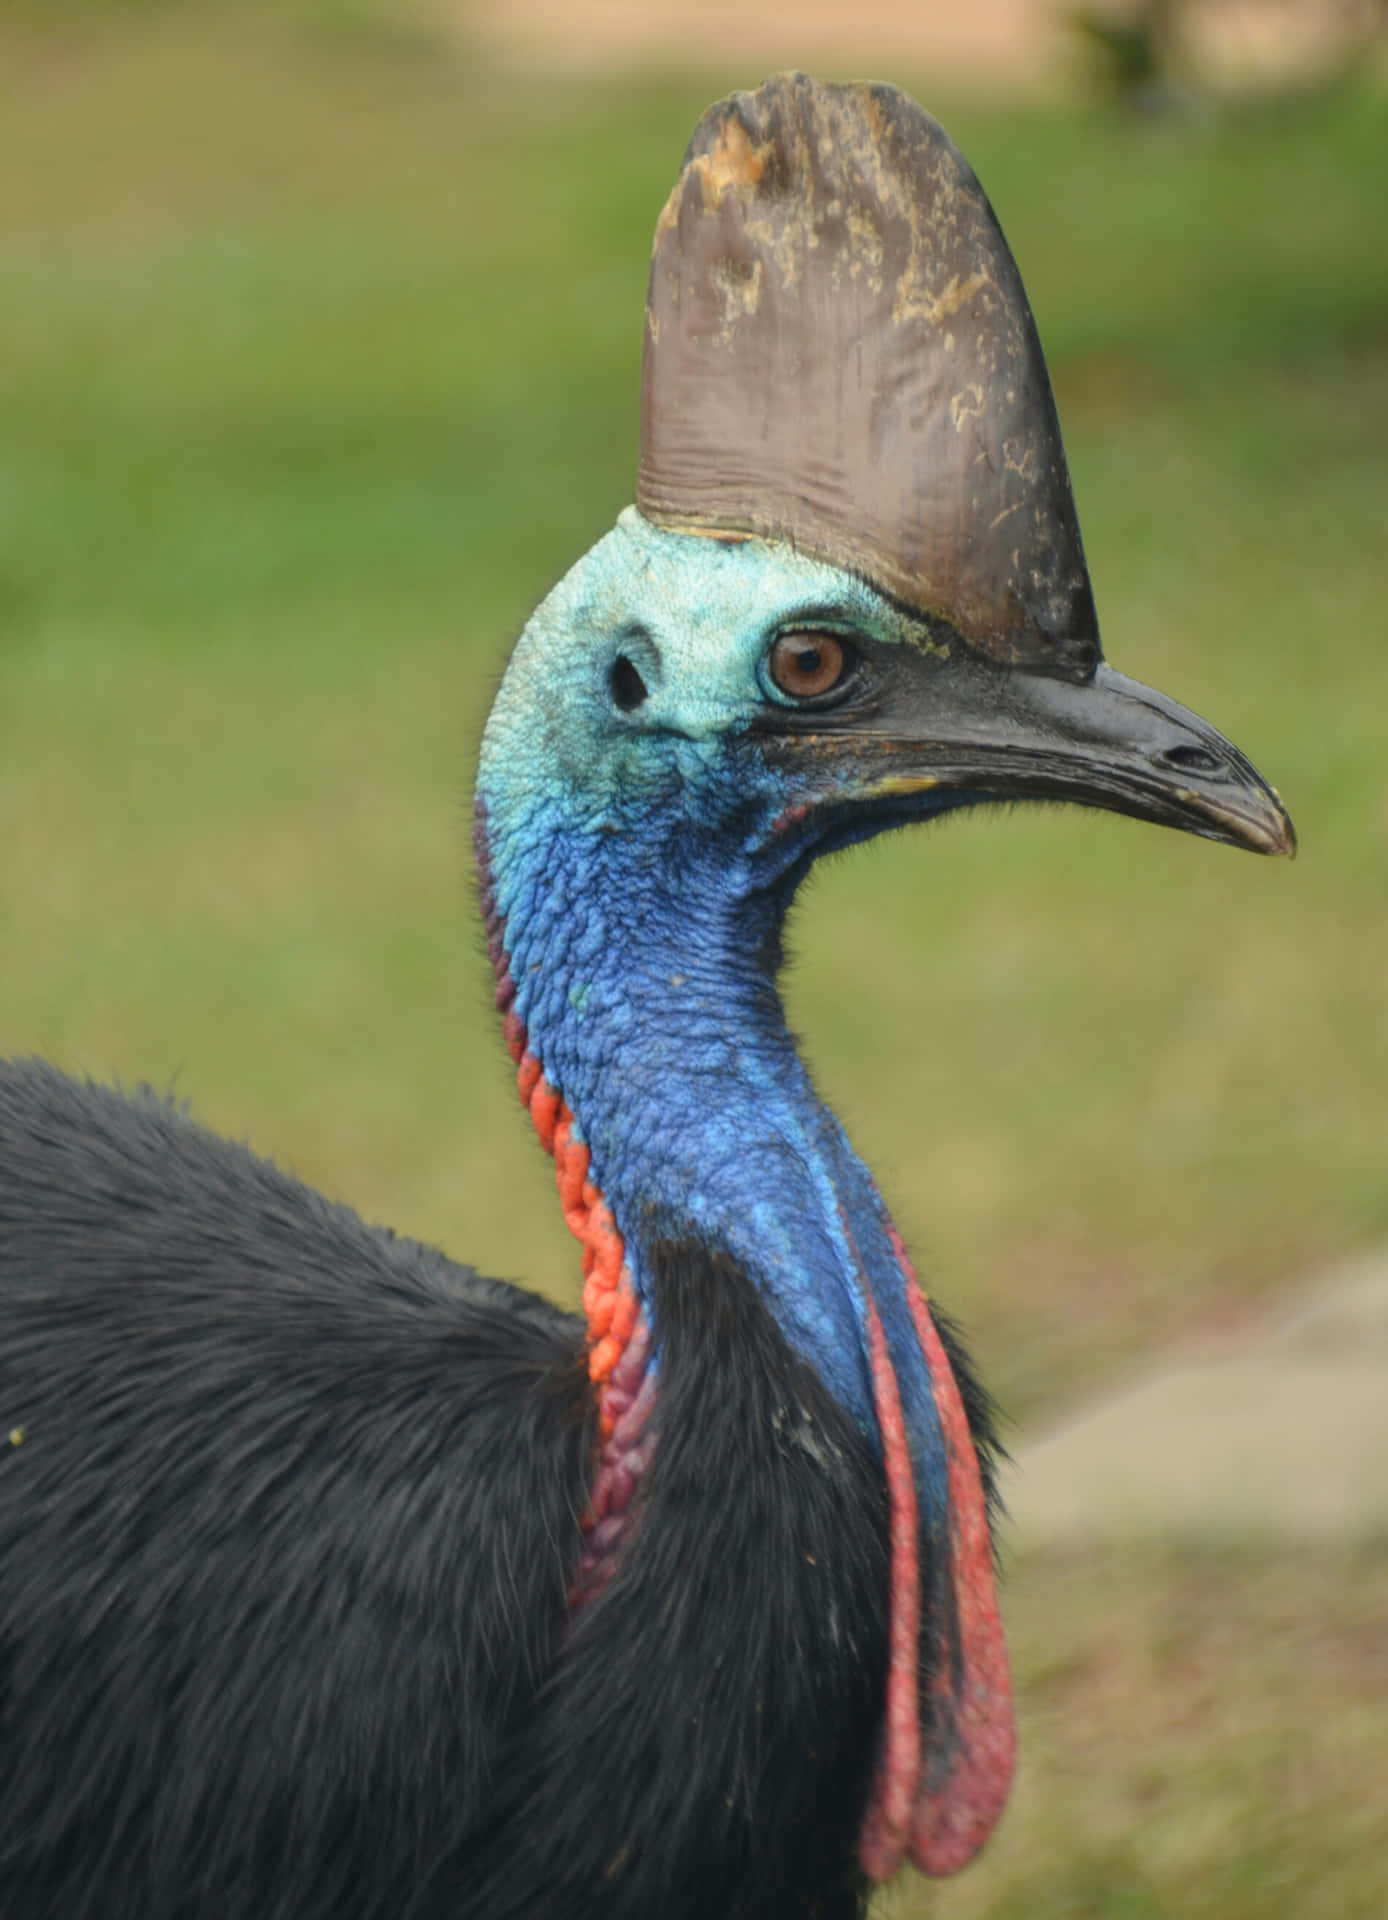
[
  {"x": 285, "y": 1542},
  {"x": 705, "y": 1745}
]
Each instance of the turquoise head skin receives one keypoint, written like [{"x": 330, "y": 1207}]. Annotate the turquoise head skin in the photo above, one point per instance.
[{"x": 695, "y": 617}]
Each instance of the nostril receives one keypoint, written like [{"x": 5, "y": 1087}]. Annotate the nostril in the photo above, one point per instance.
[{"x": 1189, "y": 760}]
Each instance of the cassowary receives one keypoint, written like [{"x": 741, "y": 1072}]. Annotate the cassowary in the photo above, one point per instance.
[{"x": 337, "y": 1582}]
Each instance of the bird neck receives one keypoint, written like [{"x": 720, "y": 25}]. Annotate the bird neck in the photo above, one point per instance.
[
  {"x": 636, "y": 980},
  {"x": 653, "y": 1054}
]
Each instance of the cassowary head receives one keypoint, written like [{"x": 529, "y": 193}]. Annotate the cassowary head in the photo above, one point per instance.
[{"x": 853, "y": 590}]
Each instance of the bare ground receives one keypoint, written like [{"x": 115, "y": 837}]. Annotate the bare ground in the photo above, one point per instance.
[
  {"x": 1276, "y": 1431},
  {"x": 999, "y": 46}
]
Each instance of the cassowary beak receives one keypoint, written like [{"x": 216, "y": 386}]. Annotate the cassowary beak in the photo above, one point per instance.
[{"x": 969, "y": 727}]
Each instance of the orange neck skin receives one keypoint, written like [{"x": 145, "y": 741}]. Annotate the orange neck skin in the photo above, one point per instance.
[{"x": 618, "y": 1333}]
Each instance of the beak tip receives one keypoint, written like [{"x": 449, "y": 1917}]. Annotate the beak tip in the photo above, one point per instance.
[
  {"x": 1269, "y": 832},
  {"x": 1287, "y": 840},
  {"x": 1272, "y": 832}
]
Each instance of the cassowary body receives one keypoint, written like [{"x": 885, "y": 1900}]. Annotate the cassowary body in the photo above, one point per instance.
[
  {"x": 336, "y": 1580},
  {"x": 286, "y": 1549}
]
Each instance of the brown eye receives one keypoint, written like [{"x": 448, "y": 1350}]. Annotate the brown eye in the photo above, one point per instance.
[{"x": 805, "y": 664}]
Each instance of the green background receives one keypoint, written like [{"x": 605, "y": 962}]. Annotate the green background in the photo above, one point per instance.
[{"x": 319, "y": 348}]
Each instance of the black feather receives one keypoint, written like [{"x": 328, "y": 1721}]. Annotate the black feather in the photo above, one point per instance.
[
  {"x": 284, "y": 1544},
  {"x": 289, "y": 1509},
  {"x": 706, "y": 1745}
]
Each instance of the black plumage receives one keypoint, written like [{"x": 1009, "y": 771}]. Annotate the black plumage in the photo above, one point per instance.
[{"x": 287, "y": 1514}]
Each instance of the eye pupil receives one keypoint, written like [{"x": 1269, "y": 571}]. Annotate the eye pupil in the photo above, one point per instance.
[
  {"x": 804, "y": 665},
  {"x": 628, "y": 688}
]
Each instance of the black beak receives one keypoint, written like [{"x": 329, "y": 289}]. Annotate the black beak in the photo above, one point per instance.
[{"x": 969, "y": 727}]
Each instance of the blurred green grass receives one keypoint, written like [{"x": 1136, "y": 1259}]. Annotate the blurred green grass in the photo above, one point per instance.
[
  {"x": 1203, "y": 1734},
  {"x": 319, "y": 351}
]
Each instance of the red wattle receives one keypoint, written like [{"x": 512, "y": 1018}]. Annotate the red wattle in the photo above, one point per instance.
[
  {"x": 955, "y": 1816},
  {"x": 937, "y": 1806},
  {"x": 887, "y": 1823}
]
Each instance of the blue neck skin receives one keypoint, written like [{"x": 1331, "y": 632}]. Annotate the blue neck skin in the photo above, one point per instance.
[{"x": 643, "y": 885}]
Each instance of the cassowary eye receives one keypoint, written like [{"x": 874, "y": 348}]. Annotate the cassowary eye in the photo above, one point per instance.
[{"x": 806, "y": 665}]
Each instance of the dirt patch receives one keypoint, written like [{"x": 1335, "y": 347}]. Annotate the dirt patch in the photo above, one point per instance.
[
  {"x": 1008, "y": 47},
  {"x": 1277, "y": 1431}
]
